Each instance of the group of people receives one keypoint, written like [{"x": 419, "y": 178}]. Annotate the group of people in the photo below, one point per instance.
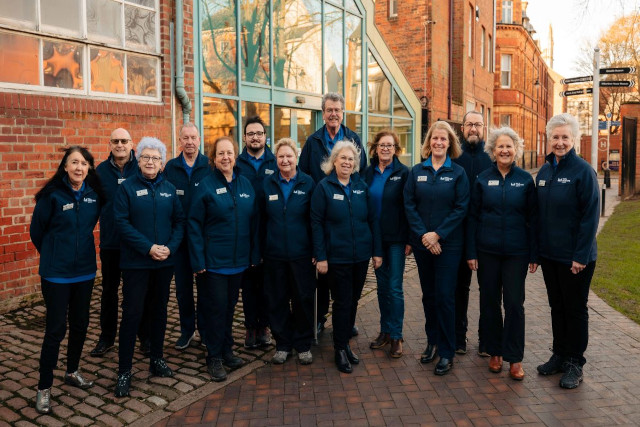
[{"x": 259, "y": 221}]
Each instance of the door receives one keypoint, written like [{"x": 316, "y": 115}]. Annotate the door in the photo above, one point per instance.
[
  {"x": 628, "y": 173},
  {"x": 294, "y": 123}
]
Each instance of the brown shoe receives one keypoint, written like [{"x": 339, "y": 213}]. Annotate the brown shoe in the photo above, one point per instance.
[
  {"x": 495, "y": 364},
  {"x": 516, "y": 372},
  {"x": 396, "y": 348},
  {"x": 382, "y": 340}
]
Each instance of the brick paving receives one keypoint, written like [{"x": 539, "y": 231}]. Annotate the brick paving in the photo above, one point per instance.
[{"x": 381, "y": 391}]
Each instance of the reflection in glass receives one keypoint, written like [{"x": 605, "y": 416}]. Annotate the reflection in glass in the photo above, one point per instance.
[
  {"x": 62, "y": 64},
  {"x": 141, "y": 75},
  {"x": 354, "y": 122},
  {"x": 297, "y": 43},
  {"x": 19, "y": 59},
  {"x": 398, "y": 106},
  {"x": 252, "y": 109},
  {"x": 379, "y": 92},
  {"x": 148, "y": 3},
  {"x": 104, "y": 21},
  {"x": 23, "y": 11},
  {"x": 353, "y": 71},
  {"x": 376, "y": 124},
  {"x": 306, "y": 125},
  {"x": 140, "y": 28},
  {"x": 404, "y": 130},
  {"x": 254, "y": 43},
  {"x": 218, "y": 119},
  {"x": 64, "y": 14},
  {"x": 219, "y": 46},
  {"x": 333, "y": 46},
  {"x": 281, "y": 123},
  {"x": 351, "y": 6},
  {"x": 107, "y": 71}
]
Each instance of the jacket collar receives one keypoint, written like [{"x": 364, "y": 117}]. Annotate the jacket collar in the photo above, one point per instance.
[
  {"x": 567, "y": 157},
  {"x": 268, "y": 155},
  {"x": 468, "y": 147}
]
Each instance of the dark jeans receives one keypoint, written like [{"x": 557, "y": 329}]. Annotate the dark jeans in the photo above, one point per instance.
[
  {"x": 390, "y": 294},
  {"x": 219, "y": 294},
  {"x": 289, "y": 290},
  {"x": 568, "y": 295},
  {"x": 463, "y": 285},
  {"x": 137, "y": 285},
  {"x": 61, "y": 299},
  {"x": 502, "y": 278},
  {"x": 346, "y": 282},
  {"x": 184, "y": 292},
  {"x": 438, "y": 282},
  {"x": 255, "y": 311},
  {"x": 110, "y": 259}
]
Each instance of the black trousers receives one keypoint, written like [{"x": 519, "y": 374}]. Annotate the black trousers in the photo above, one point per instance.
[
  {"x": 568, "y": 296},
  {"x": 463, "y": 286},
  {"x": 345, "y": 282},
  {"x": 324, "y": 297},
  {"x": 62, "y": 299},
  {"x": 218, "y": 296},
  {"x": 110, "y": 259},
  {"x": 502, "y": 278},
  {"x": 289, "y": 290},
  {"x": 255, "y": 311},
  {"x": 138, "y": 284}
]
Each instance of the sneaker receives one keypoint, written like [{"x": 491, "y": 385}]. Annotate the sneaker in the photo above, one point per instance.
[
  {"x": 75, "y": 379},
  {"x": 553, "y": 366},
  {"x": 232, "y": 361},
  {"x": 280, "y": 357},
  {"x": 572, "y": 376},
  {"x": 482, "y": 351},
  {"x": 216, "y": 370},
  {"x": 264, "y": 337},
  {"x": 159, "y": 368},
  {"x": 43, "y": 401},
  {"x": 101, "y": 348},
  {"x": 250, "y": 339},
  {"x": 123, "y": 384},
  {"x": 305, "y": 358},
  {"x": 145, "y": 348},
  {"x": 184, "y": 341},
  {"x": 462, "y": 347}
]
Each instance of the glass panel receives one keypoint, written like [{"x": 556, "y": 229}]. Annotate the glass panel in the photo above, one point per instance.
[
  {"x": 354, "y": 122},
  {"x": 281, "y": 123},
  {"x": 398, "y": 106},
  {"x": 403, "y": 128},
  {"x": 63, "y": 14},
  {"x": 23, "y": 11},
  {"x": 107, "y": 71},
  {"x": 376, "y": 124},
  {"x": 19, "y": 60},
  {"x": 62, "y": 64},
  {"x": 141, "y": 75},
  {"x": 219, "y": 46},
  {"x": 140, "y": 28},
  {"x": 252, "y": 109},
  {"x": 255, "y": 41},
  {"x": 297, "y": 44},
  {"x": 104, "y": 21},
  {"x": 333, "y": 46},
  {"x": 353, "y": 71},
  {"x": 305, "y": 124},
  {"x": 351, "y": 6},
  {"x": 148, "y": 3},
  {"x": 379, "y": 93},
  {"x": 218, "y": 119}
]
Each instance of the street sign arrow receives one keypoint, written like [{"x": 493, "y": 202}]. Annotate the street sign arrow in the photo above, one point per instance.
[
  {"x": 576, "y": 92},
  {"x": 617, "y": 83},
  {"x": 576, "y": 80},
  {"x": 618, "y": 70}
]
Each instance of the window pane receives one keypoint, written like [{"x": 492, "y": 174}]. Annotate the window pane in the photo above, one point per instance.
[
  {"x": 148, "y": 3},
  {"x": 140, "y": 28},
  {"x": 351, "y": 6},
  {"x": 354, "y": 122},
  {"x": 218, "y": 119},
  {"x": 19, "y": 59},
  {"x": 107, "y": 71},
  {"x": 379, "y": 93},
  {"x": 333, "y": 46},
  {"x": 398, "y": 106},
  {"x": 61, "y": 14},
  {"x": 282, "y": 123},
  {"x": 252, "y": 109},
  {"x": 255, "y": 41},
  {"x": 23, "y": 11},
  {"x": 219, "y": 46},
  {"x": 403, "y": 128},
  {"x": 141, "y": 75},
  {"x": 62, "y": 64},
  {"x": 353, "y": 72},
  {"x": 104, "y": 21},
  {"x": 297, "y": 44},
  {"x": 305, "y": 124}
]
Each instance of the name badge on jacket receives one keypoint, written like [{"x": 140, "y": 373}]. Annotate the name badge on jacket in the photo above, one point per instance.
[
  {"x": 142, "y": 192},
  {"x": 338, "y": 197},
  {"x": 67, "y": 207},
  {"x": 542, "y": 183},
  {"x": 221, "y": 190},
  {"x": 179, "y": 192},
  {"x": 422, "y": 178},
  {"x": 493, "y": 182},
  {"x": 273, "y": 197},
  {"x": 121, "y": 180}
]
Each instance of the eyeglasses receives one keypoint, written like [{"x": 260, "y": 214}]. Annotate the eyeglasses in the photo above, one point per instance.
[
  {"x": 333, "y": 110},
  {"x": 386, "y": 146},
  {"x": 122, "y": 141},
  {"x": 470, "y": 125},
  {"x": 252, "y": 134},
  {"x": 146, "y": 159}
]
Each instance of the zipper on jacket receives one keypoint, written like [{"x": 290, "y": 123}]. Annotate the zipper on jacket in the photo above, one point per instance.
[
  {"x": 504, "y": 188},
  {"x": 77, "y": 209},
  {"x": 235, "y": 211}
]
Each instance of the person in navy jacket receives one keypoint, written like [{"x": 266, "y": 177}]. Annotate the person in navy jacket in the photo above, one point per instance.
[
  {"x": 290, "y": 280},
  {"x": 346, "y": 234},
  {"x": 436, "y": 198},
  {"x": 223, "y": 243},
  {"x": 568, "y": 205},
  {"x": 186, "y": 172},
  {"x": 316, "y": 149},
  {"x": 256, "y": 163},
  {"x": 151, "y": 223},
  {"x": 501, "y": 244},
  {"x": 66, "y": 212},
  {"x": 386, "y": 178}
]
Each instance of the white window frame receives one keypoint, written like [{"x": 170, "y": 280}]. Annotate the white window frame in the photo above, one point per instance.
[
  {"x": 505, "y": 120},
  {"x": 505, "y": 67},
  {"x": 507, "y": 11},
  {"x": 483, "y": 47},
  {"x": 393, "y": 8}
]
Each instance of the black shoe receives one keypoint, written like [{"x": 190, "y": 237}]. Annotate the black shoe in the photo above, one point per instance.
[
  {"x": 101, "y": 348},
  {"x": 353, "y": 358},
  {"x": 184, "y": 341},
  {"x": 145, "y": 348},
  {"x": 553, "y": 366},
  {"x": 443, "y": 366},
  {"x": 354, "y": 331},
  {"x": 572, "y": 376},
  {"x": 159, "y": 368},
  {"x": 216, "y": 370},
  {"x": 232, "y": 361},
  {"x": 122, "y": 384},
  {"x": 461, "y": 348},
  {"x": 320, "y": 327},
  {"x": 342, "y": 361},
  {"x": 250, "y": 339},
  {"x": 429, "y": 353}
]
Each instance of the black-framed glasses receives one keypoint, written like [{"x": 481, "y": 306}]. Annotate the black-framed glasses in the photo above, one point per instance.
[
  {"x": 123, "y": 141},
  {"x": 259, "y": 134},
  {"x": 386, "y": 146},
  {"x": 145, "y": 158},
  {"x": 333, "y": 110},
  {"x": 470, "y": 125}
]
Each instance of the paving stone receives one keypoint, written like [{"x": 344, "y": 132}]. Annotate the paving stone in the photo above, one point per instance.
[
  {"x": 109, "y": 420},
  {"x": 50, "y": 421},
  {"x": 128, "y": 415},
  {"x": 158, "y": 401},
  {"x": 80, "y": 421}
]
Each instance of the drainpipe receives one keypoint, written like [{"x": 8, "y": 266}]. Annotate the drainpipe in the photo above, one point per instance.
[
  {"x": 450, "y": 88},
  {"x": 181, "y": 93}
]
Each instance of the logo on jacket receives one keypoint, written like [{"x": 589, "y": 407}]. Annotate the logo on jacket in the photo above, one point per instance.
[
  {"x": 245, "y": 195},
  {"x": 358, "y": 191},
  {"x": 395, "y": 178},
  {"x": 268, "y": 171},
  {"x": 446, "y": 178},
  {"x": 165, "y": 194},
  {"x": 89, "y": 200},
  {"x": 299, "y": 192},
  {"x": 564, "y": 180},
  {"x": 517, "y": 184}
]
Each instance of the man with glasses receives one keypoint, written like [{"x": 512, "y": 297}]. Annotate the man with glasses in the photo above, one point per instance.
[
  {"x": 186, "y": 172},
  {"x": 474, "y": 160},
  {"x": 255, "y": 162},
  {"x": 120, "y": 165},
  {"x": 317, "y": 147}
]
